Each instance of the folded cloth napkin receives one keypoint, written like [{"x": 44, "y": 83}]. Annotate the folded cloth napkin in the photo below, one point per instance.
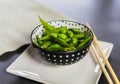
[{"x": 17, "y": 20}]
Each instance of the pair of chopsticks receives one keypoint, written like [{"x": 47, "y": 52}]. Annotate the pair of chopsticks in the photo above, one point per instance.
[{"x": 97, "y": 48}]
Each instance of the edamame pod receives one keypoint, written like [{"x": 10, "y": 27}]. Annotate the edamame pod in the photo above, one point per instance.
[
  {"x": 55, "y": 47},
  {"x": 47, "y": 37},
  {"x": 74, "y": 41},
  {"x": 70, "y": 33},
  {"x": 62, "y": 36},
  {"x": 87, "y": 34},
  {"x": 75, "y": 30},
  {"x": 63, "y": 30},
  {"x": 46, "y": 44},
  {"x": 54, "y": 34},
  {"x": 48, "y": 27},
  {"x": 79, "y": 36},
  {"x": 83, "y": 42},
  {"x": 38, "y": 40},
  {"x": 69, "y": 48},
  {"x": 60, "y": 41}
]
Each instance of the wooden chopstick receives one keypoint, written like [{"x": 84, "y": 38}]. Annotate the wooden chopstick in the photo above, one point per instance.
[
  {"x": 93, "y": 51},
  {"x": 104, "y": 58}
]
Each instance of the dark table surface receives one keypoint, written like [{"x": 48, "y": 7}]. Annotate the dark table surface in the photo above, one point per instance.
[{"x": 103, "y": 15}]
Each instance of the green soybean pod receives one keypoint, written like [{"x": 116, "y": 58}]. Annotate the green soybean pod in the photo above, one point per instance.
[
  {"x": 46, "y": 37},
  {"x": 55, "y": 47},
  {"x": 83, "y": 42},
  {"x": 74, "y": 41},
  {"x": 54, "y": 34},
  {"x": 70, "y": 33},
  {"x": 75, "y": 30},
  {"x": 62, "y": 30},
  {"x": 69, "y": 48},
  {"x": 68, "y": 40},
  {"x": 87, "y": 34},
  {"x": 60, "y": 41},
  {"x": 62, "y": 36},
  {"x": 79, "y": 36},
  {"x": 38, "y": 40},
  {"x": 46, "y": 44},
  {"x": 48, "y": 28}
]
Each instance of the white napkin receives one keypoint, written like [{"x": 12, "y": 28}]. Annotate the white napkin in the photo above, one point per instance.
[{"x": 17, "y": 20}]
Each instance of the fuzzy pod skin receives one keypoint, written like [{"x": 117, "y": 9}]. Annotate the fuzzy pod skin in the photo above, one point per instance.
[
  {"x": 75, "y": 30},
  {"x": 63, "y": 30},
  {"x": 46, "y": 44},
  {"x": 79, "y": 36},
  {"x": 55, "y": 47},
  {"x": 60, "y": 41},
  {"x": 62, "y": 36},
  {"x": 74, "y": 41},
  {"x": 83, "y": 42},
  {"x": 48, "y": 27},
  {"x": 70, "y": 33}
]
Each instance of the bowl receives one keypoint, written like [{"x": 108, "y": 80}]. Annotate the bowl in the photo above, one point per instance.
[{"x": 61, "y": 58}]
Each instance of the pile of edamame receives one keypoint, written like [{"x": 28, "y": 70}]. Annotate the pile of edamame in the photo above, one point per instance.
[{"x": 61, "y": 39}]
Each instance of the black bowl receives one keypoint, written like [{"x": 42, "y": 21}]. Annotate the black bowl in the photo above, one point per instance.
[{"x": 62, "y": 58}]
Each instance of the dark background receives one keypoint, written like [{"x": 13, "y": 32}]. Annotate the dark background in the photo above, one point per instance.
[{"x": 104, "y": 17}]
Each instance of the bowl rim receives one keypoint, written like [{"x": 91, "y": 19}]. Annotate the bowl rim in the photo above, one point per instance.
[{"x": 88, "y": 44}]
